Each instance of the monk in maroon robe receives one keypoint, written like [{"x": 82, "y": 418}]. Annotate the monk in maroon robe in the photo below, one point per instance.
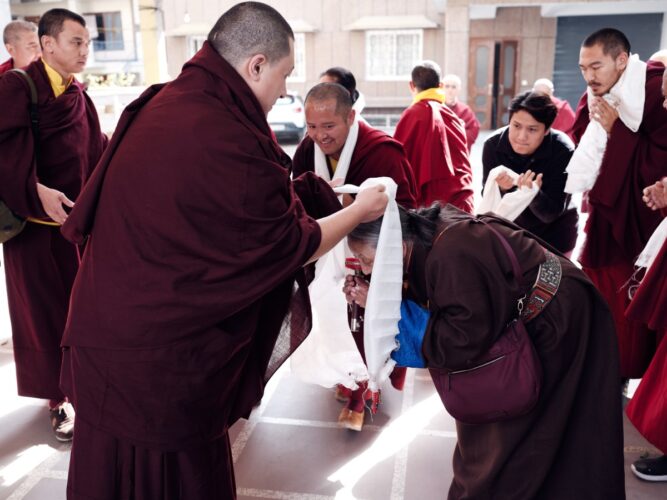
[
  {"x": 40, "y": 264},
  {"x": 195, "y": 243},
  {"x": 21, "y": 41},
  {"x": 451, "y": 84},
  {"x": 435, "y": 143},
  {"x": 619, "y": 223},
  {"x": 339, "y": 146}
]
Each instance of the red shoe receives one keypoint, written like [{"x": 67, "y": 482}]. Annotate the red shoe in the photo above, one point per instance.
[
  {"x": 342, "y": 393},
  {"x": 397, "y": 377}
]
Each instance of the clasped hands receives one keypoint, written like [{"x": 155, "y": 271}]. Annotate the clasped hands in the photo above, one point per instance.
[
  {"x": 603, "y": 113},
  {"x": 355, "y": 289}
]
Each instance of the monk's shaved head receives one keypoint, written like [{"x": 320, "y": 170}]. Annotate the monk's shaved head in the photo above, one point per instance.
[
  {"x": 327, "y": 91},
  {"x": 248, "y": 29},
  {"x": 660, "y": 56},
  {"x": 426, "y": 75},
  {"x": 13, "y": 30}
]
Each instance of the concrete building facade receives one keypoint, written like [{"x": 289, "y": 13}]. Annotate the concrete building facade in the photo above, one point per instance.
[{"x": 497, "y": 47}]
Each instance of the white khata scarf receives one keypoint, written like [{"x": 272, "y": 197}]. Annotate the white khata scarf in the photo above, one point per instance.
[
  {"x": 627, "y": 96},
  {"x": 321, "y": 168},
  {"x": 512, "y": 204},
  {"x": 383, "y": 304}
]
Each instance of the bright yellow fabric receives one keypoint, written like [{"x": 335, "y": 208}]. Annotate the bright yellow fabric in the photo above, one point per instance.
[
  {"x": 434, "y": 94},
  {"x": 56, "y": 80}
]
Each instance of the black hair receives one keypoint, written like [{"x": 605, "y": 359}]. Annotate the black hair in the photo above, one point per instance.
[
  {"x": 52, "y": 21},
  {"x": 426, "y": 75},
  {"x": 416, "y": 225},
  {"x": 345, "y": 78},
  {"x": 538, "y": 105},
  {"x": 612, "y": 40}
]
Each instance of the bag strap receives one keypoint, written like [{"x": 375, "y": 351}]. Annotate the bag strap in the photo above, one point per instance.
[
  {"x": 516, "y": 268},
  {"x": 34, "y": 109}
]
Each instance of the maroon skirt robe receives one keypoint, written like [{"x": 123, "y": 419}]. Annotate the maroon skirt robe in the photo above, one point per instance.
[{"x": 40, "y": 264}]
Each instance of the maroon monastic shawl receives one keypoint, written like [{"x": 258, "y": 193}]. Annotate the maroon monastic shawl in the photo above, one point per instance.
[
  {"x": 70, "y": 142},
  {"x": 375, "y": 155},
  {"x": 466, "y": 114},
  {"x": 196, "y": 239},
  {"x": 620, "y": 223},
  {"x": 6, "y": 66},
  {"x": 565, "y": 117},
  {"x": 435, "y": 143}
]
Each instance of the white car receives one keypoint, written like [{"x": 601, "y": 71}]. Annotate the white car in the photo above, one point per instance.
[{"x": 287, "y": 117}]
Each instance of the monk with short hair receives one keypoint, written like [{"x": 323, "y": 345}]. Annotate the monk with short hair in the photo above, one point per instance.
[
  {"x": 191, "y": 291},
  {"x": 340, "y": 146},
  {"x": 22, "y": 43},
  {"x": 451, "y": 84},
  {"x": 38, "y": 181},
  {"x": 435, "y": 143},
  {"x": 634, "y": 126},
  {"x": 565, "y": 117}
]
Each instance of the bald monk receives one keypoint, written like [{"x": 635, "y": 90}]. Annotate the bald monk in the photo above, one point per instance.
[
  {"x": 40, "y": 264},
  {"x": 435, "y": 142},
  {"x": 451, "y": 84},
  {"x": 340, "y": 146},
  {"x": 349, "y": 144},
  {"x": 22, "y": 43},
  {"x": 565, "y": 117},
  {"x": 195, "y": 242}
]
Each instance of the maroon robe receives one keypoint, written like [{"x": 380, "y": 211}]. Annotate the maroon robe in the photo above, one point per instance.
[
  {"x": 178, "y": 313},
  {"x": 466, "y": 114},
  {"x": 619, "y": 222},
  {"x": 467, "y": 280},
  {"x": 435, "y": 143},
  {"x": 565, "y": 117},
  {"x": 6, "y": 66},
  {"x": 40, "y": 264},
  {"x": 648, "y": 408},
  {"x": 375, "y": 155}
]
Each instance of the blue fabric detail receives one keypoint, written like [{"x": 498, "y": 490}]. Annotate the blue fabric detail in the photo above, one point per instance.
[{"x": 411, "y": 330}]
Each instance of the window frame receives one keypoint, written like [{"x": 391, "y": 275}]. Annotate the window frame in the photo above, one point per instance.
[{"x": 395, "y": 33}]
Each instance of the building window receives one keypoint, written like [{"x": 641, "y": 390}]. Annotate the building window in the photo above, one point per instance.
[
  {"x": 196, "y": 43},
  {"x": 299, "y": 71},
  {"x": 391, "y": 54},
  {"x": 109, "y": 32}
]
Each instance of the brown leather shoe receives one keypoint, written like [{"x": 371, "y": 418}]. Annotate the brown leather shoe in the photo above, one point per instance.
[
  {"x": 350, "y": 419},
  {"x": 62, "y": 421}
]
